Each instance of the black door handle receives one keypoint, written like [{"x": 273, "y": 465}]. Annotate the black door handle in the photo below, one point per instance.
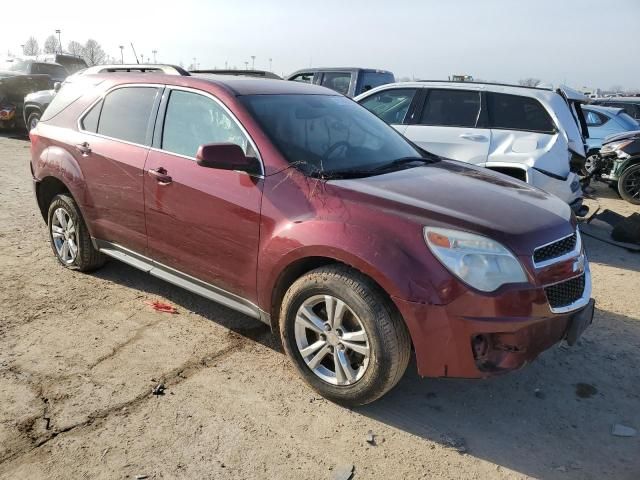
[{"x": 83, "y": 148}]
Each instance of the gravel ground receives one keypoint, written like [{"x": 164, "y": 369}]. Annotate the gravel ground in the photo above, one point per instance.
[{"x": 80, "y": 355}]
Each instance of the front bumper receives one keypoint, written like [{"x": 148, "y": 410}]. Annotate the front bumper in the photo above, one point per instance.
[{"x": 478, "y": 336}]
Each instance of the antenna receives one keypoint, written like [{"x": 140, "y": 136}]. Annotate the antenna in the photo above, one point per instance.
[{"x": 134, "y": 53}]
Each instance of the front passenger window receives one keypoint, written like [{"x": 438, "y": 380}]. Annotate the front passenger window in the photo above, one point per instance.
[
  {"x": 193, "y": 120},
  {"x": 390, "y": 105}
]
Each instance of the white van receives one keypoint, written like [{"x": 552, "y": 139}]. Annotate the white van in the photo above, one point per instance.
[{"x": 533, "y": 134}]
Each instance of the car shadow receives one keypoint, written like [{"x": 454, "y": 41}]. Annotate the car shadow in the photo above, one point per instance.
[
  {"x": 15, "y": 135},
  {"x": 606, "y": 254},
  {"x": 244, "y": 325},
  {"x": 552, "y": 419}
]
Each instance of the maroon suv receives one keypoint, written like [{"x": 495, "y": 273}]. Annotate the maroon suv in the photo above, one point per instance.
[{"x": 296, "y": 206}]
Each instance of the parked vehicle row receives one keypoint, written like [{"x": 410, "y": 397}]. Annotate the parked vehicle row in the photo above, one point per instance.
[
  {"x": 35, "y": 78},
  {"x": 294, "y": 205},
  {"x": 532, "y": 134}
]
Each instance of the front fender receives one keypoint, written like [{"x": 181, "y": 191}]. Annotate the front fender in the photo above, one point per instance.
[{"x": 388, "y": 262}]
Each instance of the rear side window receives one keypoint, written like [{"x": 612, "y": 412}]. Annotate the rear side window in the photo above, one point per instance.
[
  {"x": 513, "y": 112},
  {"x": 453, "y": 108},
  {"x": 338, "y": 81},
  {"x": 390, "y": 105},
  {"x": 193, "y": 120},
  {"x": 126, "y": 112}
]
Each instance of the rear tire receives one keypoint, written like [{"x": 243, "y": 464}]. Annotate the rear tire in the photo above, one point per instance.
[
  {"x": 629, "y": 184},
  {"x": 367, "y": 344},
  {"x": 69, "y": 236}
]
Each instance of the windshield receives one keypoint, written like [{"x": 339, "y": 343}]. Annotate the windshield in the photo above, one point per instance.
[
  {"x": 628, "y": 121},
  {"x": 323, "y": 135}
]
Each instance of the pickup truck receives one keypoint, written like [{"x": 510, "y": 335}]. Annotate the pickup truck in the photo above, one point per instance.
[{"x": 349, "y": 81}]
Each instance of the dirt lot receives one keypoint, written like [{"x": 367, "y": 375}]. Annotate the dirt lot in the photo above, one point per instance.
[{"x": 80, "y": 354}]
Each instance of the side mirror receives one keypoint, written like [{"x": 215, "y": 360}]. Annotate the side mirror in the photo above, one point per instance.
[
  {"x": 226, "y": 156},
  {"x": 57, "y": 86}
]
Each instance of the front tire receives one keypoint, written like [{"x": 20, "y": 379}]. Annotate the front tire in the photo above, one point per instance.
[
  {"x": 629, "y": 184},
  {"x": 69, "y": 236},
  {"x": 344, "y": 335}
]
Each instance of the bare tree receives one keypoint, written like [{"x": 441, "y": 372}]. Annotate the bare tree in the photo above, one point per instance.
[
  {"x": 31, "y": 47},
  {"x": 529, "y": 82},
  {"x": 93, "y": 53},
  {"x": 616, "y": 88},
  {"x": 51, "y": 44},
  {"x": 75, "y": 48}
]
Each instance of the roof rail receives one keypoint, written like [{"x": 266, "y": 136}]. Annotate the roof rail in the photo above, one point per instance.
[
  {"x": 489, "y": 83},
  {"x": 239, "y": 73},
  {"x": 138, "y": 68}
]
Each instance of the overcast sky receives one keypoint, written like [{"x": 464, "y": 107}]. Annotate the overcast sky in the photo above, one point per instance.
[{"x": 590, "y": 43}]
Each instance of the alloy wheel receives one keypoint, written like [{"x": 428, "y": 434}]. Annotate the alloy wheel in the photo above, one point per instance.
[
  {"x": 64, "y": 235},
  {"x": 631, "y": 184},
  {"x": 590, "y": 163},
  {"x": 332, "y": 340}
]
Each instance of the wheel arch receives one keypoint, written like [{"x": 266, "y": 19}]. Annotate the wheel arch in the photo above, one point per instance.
[{"x": 46, "y": 190}]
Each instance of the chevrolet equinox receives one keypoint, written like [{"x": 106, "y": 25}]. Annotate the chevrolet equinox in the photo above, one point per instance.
[{"x": 296, "y": 206}]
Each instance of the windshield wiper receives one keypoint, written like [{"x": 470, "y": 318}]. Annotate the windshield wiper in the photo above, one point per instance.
[{"x": 358, "y": 172}]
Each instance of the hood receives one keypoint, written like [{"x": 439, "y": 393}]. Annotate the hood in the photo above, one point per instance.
[
  {"x": 622, "y": 136},
  {"x": 457, "y": 195}
]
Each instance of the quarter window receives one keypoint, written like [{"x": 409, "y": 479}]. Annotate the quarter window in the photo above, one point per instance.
[
  {"x": 90, "y": 120},
  {"x": 193, "y": 120},
  {"x": 126, "y": 112},
  {"x": 594, "y": 119},
  {"x": 390, "y": 105},
  {"x": 453, "y": 108},
  {"x": 513, "y": 112},
  {"x": 338, "y": 81}
]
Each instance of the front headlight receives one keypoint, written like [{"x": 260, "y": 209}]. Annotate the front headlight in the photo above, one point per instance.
[
  {"x": 613, "y": 146},
  {"x": 478, "y": 261}
]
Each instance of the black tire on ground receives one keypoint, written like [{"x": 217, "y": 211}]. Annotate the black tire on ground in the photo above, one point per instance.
[
  {"x": 87, "y": 257},
  {"x": 33, "y": 117},
  {"x": 629, "y": 184},
  {"x": 389, "y": 341}
]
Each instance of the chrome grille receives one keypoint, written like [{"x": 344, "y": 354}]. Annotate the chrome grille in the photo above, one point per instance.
[
  {"x": 555, "y": 249},
  {"x": 565, "y": 293}
]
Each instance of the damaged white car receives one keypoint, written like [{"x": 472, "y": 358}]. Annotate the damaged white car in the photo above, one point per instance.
[{"x": 530, "y": 133}]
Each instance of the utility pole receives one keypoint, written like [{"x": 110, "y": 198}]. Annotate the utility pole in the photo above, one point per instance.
[
  {"x": 59, "y": 41},
  {"x": 270, "y": 62},
  {"x": 253, "y": 62},
  {"x": 226, "y": 64},
  {"x": 246, "y": 65},
  {"x": 194, "y": 64},
  {"x": 142, "y": 58},
  {"x": 122, "y": 54},
  {"x": 154, "y": 55}
]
